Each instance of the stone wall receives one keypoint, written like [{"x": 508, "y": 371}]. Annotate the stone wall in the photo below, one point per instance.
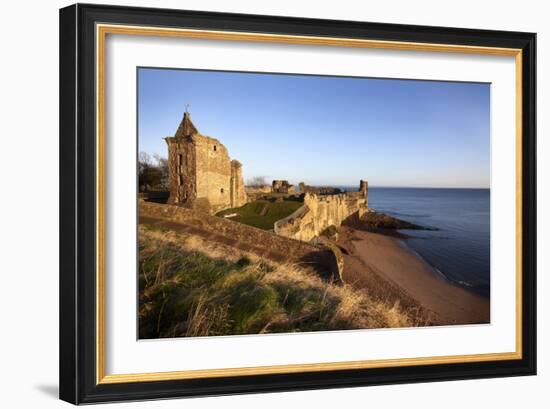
[
  {"x": 320, "y": 212},
  {"x": 255, "y": 192},
  {"x": 238, "y": 193},
  {"x": 258, "y": 189},
  {"x": 181, "y": 170},
  {"x": 282, "y": 186},
  {"x": 319, "y": 190},
  {"x": 213, "y": 169},
  {"x": 364, "y": 190}
]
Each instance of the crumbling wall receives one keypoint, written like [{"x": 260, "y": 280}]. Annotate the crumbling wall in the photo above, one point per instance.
[
  {"x": 282, "y": 186},
  {"x": 320, "y": 212},
  {"x": 258, "y": 189},
  {"x": 364, "y": 190},
  {"x": 238, "y": 193},
  {"x": 181, "y": 170},
  {"x": 213, "y": 169},
  {"x": 319, "y": 190}
]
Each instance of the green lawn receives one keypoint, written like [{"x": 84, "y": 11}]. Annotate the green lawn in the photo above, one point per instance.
[{"x": 263, "y": 213}]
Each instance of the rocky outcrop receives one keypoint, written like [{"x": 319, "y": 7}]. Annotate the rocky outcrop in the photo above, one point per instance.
[{"x": 375, "y": 221}]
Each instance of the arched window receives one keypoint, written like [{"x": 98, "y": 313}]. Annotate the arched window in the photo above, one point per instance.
[
  {"x": 215, "y": 148},
  {"x": 221, "y": 190}
]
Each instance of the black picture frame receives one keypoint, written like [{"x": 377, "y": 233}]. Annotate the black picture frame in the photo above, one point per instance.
[{"x": 78, "y": 360}]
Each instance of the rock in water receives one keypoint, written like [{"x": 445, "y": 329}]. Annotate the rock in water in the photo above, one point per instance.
[{"x": 377, "y": 221}]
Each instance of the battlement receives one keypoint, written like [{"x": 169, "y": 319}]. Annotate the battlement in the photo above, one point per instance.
[{"x": 320, "y": 211}]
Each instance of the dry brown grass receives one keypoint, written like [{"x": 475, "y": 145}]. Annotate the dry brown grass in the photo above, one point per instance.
[{"x": 192, "y": 287}]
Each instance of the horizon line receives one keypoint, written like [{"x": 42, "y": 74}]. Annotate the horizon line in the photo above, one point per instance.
[
  {"x": 427, "y": 187},
  {"x": 395, "y": 187}
]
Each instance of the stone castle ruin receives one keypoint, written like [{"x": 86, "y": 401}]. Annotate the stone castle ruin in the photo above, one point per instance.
[
  {"x": 203, "y": 177},
  {"x": 282, "y": 186},
  {"x": 323, "y": 210},
  {"x": 201, "y": 174},
  {"x": 203, "y": 180},
  {"x": 319, "y": 190}
]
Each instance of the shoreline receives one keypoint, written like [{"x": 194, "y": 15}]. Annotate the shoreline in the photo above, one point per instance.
[{"x": 386, "y": 267}]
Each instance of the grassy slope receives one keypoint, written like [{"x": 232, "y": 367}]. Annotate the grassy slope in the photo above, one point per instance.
[
  {"x": 263, "y": 213},
  {"x": 189, "y": 287}
]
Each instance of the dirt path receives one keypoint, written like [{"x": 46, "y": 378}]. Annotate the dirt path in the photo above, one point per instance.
[{"x": 390, "y": 259}]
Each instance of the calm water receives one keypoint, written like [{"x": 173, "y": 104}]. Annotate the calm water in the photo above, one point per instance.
[{"x": 460, "y": 249}]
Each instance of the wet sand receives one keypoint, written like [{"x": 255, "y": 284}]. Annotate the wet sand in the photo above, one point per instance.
[{"x": 374, "y": 256}]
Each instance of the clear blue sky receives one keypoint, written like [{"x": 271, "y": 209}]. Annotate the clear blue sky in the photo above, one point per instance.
[{"x": 327, "y": 130}]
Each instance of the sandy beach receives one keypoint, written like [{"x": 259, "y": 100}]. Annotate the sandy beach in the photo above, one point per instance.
[{"x": 387, "y": 268}]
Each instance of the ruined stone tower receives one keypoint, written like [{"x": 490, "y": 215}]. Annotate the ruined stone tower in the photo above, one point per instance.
[
  {"x": 364, "y": 188},
  {"x": 201, "y": 174}
]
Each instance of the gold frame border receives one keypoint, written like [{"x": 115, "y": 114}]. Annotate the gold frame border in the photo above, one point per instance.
[{"x": 101, "y": 32}]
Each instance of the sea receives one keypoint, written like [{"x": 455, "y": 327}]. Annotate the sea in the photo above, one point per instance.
[{"x": 460, "y": 247}]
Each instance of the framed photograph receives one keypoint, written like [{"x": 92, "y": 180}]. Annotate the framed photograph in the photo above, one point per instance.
[{"x": 257, "y": 203}]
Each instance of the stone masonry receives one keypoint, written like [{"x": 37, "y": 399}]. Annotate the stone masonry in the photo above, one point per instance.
[
  {"x": 282, "y": 186},
  {"x": 322, "y": 211},
  {"x": 201, "y": 174}
]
